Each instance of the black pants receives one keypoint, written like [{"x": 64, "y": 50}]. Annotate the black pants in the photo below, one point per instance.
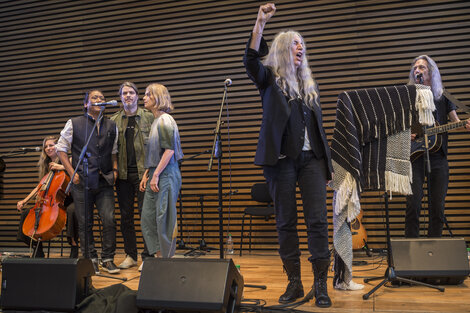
[
  {"x": 310, "y": 174},
  {"x": 126, "y": 191},
  {"x": 20, "y": 236},
  {"x": 439, "y": 183}
]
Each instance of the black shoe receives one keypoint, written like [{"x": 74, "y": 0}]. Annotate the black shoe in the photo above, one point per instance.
[
  {"x": 96, "y": 266},
  {"x": 110, "y": 267},
  {"x": 73, "y": 252}
]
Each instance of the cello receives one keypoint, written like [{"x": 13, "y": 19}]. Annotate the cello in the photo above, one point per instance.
[{"x": 48, "y": 216}]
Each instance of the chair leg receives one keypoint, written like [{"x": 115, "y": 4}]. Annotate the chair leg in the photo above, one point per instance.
[
  {"x": 62, "y": 243},
  {"x": 251, "y": 225},
  {"x": 48, "y": 248},
  {"x": 241, "y": 237}
]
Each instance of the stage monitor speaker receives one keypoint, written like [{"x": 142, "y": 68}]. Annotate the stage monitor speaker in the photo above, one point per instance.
[
  {"x": 437, "y": 261},
  {"x": 182, "y": 285},
  {"x": 45, "y": 284}
]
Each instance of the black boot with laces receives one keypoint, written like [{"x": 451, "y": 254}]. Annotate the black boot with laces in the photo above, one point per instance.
[
  {"x": 294, "y": 289},
  {"x": 320, "y": 272}
]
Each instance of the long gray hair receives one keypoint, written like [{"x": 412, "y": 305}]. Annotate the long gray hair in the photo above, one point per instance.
[
  {"x": 294, "y": 83},
  {"x": 436, "y": 81}
]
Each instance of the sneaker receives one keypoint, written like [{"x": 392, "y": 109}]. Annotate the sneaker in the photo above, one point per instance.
[
  {"x": 140, "y": 267},
  {"x": 352, "y": 286},
  {"x": 110, "y": 267},
  {"x": 128, "y": 262},
  {"x": 96, "y": 266}
]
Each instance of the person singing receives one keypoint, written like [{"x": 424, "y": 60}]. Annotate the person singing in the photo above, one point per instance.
[
  {"x": 425, "y": 71},
  {"x": 162, "y": 179},
  {"x": 102, "y": 174},
  {"x": 48, "y": 161},
  {"x": 292, "y": 149}
]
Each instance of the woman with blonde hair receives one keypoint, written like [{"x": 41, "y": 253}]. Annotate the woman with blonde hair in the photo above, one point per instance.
[
  {"x": 162, "y": 178},
  {"x": 292, "y": 149},
  {"x": 48, "y": 161}
]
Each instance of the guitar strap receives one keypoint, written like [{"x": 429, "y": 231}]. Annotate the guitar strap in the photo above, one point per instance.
[{"x": 455, "y": 101}]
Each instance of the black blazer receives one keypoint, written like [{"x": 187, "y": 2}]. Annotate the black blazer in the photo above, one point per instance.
[{"x": 276, "y": 110}]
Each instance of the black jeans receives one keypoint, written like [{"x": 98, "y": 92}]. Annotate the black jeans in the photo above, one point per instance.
[
  {"x": 439, "y": 183},
  {"x": 103, "y": 198},
  {"x": 20, "y": 236},
  {"x": 311, "y": 175},
  {"x": 127, "y": 190}
]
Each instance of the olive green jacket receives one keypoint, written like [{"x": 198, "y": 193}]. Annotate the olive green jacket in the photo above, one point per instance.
[{"x": 143, "y": 121}]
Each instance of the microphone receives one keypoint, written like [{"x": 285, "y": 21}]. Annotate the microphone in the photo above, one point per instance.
[
  {"x": 228, "y": 82},
  {"x": 34, "y": 149},
  {"x": 102, "y": 104},
  {"x": 419, "y": 78}
]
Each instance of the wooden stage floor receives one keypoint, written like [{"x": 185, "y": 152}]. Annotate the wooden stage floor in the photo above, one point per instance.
[{"x": 264, "y": 268}]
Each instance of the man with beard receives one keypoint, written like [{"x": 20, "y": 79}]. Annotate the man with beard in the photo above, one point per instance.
[{"x": 133, "y": 126}]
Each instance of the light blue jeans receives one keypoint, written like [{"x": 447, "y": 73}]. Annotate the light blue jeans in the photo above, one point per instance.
[{"x": 159, "y": 218}]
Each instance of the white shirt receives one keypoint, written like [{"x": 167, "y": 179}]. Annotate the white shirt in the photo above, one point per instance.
[{"x": 66, "y": 135}]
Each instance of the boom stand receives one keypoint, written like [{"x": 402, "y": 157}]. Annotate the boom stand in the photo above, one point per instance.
[
  {"x": 217, "y": 152},
  {"x": 389, "y": 275},
  {"x": 86, "y": 190}
]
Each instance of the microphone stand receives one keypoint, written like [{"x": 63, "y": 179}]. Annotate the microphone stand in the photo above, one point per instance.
[
  {"x": 83, "y": 159},
  {"x": 9, "y": 154},
  {"x": 180, "y": 242},
  {"x": 427, "y": 164},
  {"x": 217, "y": 152}
]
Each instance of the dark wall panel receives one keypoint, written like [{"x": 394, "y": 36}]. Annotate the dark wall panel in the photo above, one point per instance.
[{"x": 52, "y": 51}]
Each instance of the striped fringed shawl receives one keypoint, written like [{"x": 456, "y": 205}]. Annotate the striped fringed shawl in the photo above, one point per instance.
[
  {"x": 371, "y": 150},
  {"x": 371, "y": 141}
]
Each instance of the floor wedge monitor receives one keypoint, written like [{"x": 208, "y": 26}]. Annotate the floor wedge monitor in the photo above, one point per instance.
[
  {"x": 182, "y": 285},
  {"x": 439, "y": 261},
  {"x": 44, "y": 284}
]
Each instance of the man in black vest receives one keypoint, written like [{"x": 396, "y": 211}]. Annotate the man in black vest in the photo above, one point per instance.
[{"x": 102, "y": 174}]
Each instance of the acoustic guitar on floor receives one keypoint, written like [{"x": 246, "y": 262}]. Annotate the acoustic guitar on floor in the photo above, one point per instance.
[
  {"x": 359, "y": 235},
  {"x": 434, "y": 139}
]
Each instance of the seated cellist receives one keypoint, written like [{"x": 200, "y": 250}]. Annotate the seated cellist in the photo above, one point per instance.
[{"x": 48, "y": 161}]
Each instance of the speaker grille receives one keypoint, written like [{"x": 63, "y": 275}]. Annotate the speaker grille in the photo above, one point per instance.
[
  {"x": 434, "y": 260},
  {"x": 189, "y": 284}
]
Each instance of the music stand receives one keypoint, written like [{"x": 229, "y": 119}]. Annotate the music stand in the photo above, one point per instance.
[
  {"x": 390, "y": 275},
  {"x": 180, "y": 242},
  {"x": 203, "y": 248}
]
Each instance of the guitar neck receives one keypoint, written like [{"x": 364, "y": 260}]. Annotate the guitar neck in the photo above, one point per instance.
[{"x": 444, "y": 128}]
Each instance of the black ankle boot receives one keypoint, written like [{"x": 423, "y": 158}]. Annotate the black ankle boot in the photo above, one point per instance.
[
  {"x": 73, "y": 252},
  {"x": 320, "y": 273},
  {"x": 294, "y": 289}
]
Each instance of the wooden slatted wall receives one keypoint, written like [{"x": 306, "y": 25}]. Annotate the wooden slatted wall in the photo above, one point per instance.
[{"x": 52, "y": 51}]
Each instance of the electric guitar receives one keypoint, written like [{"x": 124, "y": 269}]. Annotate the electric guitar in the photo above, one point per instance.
[
  {"x": 359, "y": 235},
  {"x": 434, "y": 139}
]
